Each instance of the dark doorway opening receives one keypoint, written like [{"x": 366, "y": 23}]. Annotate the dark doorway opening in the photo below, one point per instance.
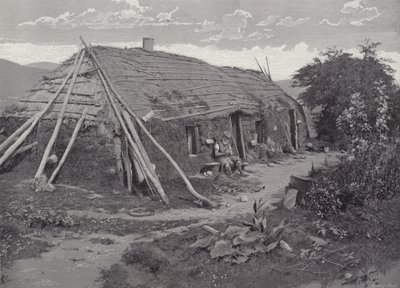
[
  {"x": 192, "y": 134},
  {"x": 237, "y": 134},
  {"x": 293, "y": 128},
  {"x": 260, "y": 131}
]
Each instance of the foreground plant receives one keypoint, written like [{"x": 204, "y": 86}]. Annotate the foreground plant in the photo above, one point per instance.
[{"x": 238, "y": 243}]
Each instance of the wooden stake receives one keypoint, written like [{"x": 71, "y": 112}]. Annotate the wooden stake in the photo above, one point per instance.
[
  {"x": 135, "y": 149},
  {"x": 269, "y": 72},
  {"x": 137, "y": 140},
  {"x": 59, "y": 122},
  {"x": 141, "y": 125},
  {"x": 16, "y": 133},
  {"x": 39, "y": 115},
  {"x": 17, "y": 143},
  {"x": 69, "y": 146}
]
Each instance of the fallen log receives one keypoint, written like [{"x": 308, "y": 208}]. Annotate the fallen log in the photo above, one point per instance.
[
  {"x": 49, "y": 185},
  {"x": 53, "y": 138},
  {"x": 144, "y": 129}
]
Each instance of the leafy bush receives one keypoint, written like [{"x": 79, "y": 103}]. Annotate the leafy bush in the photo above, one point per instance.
[{"x": 371, "y": 174}]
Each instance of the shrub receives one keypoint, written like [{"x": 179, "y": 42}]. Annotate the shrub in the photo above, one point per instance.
[{"x": 371, "y": 174}]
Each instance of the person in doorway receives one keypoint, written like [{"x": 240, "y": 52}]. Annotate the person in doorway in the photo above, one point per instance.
[{"x": 224, "y": 155}]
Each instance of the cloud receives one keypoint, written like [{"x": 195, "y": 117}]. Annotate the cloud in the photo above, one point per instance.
[
  {"x": 133, "y": 4},
  {"x": 358, "y": 14},
  {"x": 49, "y": 21},
  {"x": 231, "y": 27},
  {"x": 102, "y": 20},
  {"x": 209, "y": 26},
  {"x": 166, "y": 16},
  {"x": 257, "y": 36},
  {"x": 341, "y": 21},
  {"x": 289, "y": 22},
  {"x": 270, "y": 20}
]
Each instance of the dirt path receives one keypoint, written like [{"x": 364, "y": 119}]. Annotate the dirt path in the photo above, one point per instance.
[
  {"x": 75, "y": 261},
  {"x": 274, "y": 179}
]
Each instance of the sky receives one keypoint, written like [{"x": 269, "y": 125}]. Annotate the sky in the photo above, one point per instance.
[{"x": 222, "y": 32}]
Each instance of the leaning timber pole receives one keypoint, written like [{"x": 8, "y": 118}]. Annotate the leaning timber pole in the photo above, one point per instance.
[
  {"x": 59, "y": 122},
  {"x": 135, "y": 149},
  {"x": 28, "y": 126},
  {"x": 144, "y": 129}
]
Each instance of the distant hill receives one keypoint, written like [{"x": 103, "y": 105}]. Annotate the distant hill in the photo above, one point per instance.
[
  {"x": 15, "y": 79},
  {"x": 286, "y": 86},
  {"x": 43, "y": 65}
]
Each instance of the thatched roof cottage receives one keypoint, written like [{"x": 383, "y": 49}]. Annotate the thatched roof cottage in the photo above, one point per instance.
[{"x": 183, "y": 101}]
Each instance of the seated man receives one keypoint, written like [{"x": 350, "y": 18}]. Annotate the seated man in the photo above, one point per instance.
[{"x": 224, "y": 155}]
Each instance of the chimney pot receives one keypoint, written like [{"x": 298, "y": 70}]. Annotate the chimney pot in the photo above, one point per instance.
[{"x": 148, "y": 44}]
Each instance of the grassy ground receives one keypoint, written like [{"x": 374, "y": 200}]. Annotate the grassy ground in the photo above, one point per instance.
[
  {"x": 353, "y": 242},
  {"x": 350, "y": 242}
]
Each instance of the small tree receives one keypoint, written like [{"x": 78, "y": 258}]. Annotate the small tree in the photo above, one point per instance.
[{"x": 332, "y": 80}]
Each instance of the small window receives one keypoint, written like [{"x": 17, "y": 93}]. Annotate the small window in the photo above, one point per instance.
[
  {"x": 260, "y": 131},
  {"x": 192, "y": 135}
]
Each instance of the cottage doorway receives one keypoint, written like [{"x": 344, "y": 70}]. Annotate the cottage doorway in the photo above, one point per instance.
[
  {"x": 237, "y": 134},
  {"x": 293, "y": 128}
]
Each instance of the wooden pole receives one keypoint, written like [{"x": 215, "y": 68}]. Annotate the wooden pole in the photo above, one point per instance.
[
  {"x": 137, "y": 140},
  {"x": 39, "y": 115},
  {"x": 135, "y": 149},
  {"x": 59, "y": 122},
  {"x": 17, "y": 143},
  {"x": 16, "y": 133},
  {"x": 69, "y": 147},
  {"x": 141, "y": 125},
  {"x": 269, "y": 72}
]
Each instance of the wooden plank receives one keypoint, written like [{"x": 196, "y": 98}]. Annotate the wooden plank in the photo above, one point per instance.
[{"x": 50, "y": 144}]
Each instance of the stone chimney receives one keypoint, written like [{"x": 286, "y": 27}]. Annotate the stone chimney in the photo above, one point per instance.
[{"x": 148, "y": 44}]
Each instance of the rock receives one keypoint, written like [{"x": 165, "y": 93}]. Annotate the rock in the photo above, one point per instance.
[
  {"x": 243, "y": 199},
  {"x": 348, "y": 275},
  {"x": 285, "y": 246},
  {"x": 53, "y": 159},
  {"x": 290, "y": 199}
]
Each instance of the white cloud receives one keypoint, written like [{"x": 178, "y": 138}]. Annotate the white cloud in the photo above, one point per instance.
[
  {"x": 359, "y": 12},
  {"x": 257, "y": 36},
  {"x": 232, "y": 26},
  {"x": 101, "y": 20},
  {"x": 289, "y": 22},
  {"x": 270, "y": 20},
  {"x": 341, "y": 21},
  {"x": 166, "y": 16},
  {"x": 49, "y": 21},
  {"x": 134, "y": 4}
]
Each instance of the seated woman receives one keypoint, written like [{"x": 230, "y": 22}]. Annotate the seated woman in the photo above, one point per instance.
[{"x": 224, "y": 155}]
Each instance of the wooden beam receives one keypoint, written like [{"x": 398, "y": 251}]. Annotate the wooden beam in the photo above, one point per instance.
[
  {"x": 33, "y": 120},
  {"x": 53, "y": 138},
  {"x": 68, "y": 149},
  {"x": 144, "y": 129}
]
